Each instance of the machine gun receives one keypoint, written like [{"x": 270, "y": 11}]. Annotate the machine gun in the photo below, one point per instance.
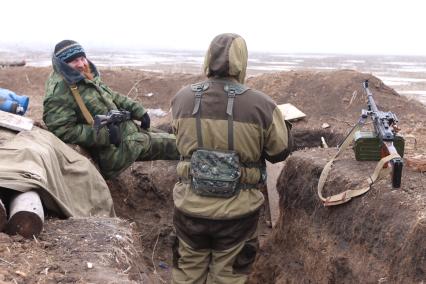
[
  {"x": 384, "y": 141},
  {"x": 112, "y": 117},
  {"x": 382, "y": 145}
]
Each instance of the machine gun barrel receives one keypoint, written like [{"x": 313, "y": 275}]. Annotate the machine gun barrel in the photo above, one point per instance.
[
  {"x": 383, "y": 121},
  {"x": 371, "y": 103}
]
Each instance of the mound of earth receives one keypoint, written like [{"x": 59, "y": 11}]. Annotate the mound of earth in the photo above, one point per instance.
[
  {"x": 375, "y": 238},
  {"x": 77, "y": 250},
  {"x": 142, "y": 194}
]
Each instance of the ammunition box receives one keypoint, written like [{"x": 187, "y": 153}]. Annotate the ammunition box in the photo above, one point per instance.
[{"x": 367, "y": 146}]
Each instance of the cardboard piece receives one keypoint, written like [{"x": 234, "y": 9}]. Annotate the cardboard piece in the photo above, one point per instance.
[
  {"x": 290, "y": 112},
  {"x": 273, "y": 172},
  {"x": 15, "y": 122}
]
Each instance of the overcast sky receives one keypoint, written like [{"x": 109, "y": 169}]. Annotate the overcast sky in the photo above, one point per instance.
[{"x": 313, "y": 26}]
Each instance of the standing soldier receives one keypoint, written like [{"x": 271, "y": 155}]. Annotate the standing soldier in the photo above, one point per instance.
[
  {"x": 224, "y": 132},
  {"x": 75, "y": 94}
]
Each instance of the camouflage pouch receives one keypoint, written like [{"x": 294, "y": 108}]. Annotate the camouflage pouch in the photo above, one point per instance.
[{"x": 215, "y": 173}]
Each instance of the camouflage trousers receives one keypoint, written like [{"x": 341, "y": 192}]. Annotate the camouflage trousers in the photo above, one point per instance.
[
  {"x": 213, "y": 251},
  {"x": 162, "y": 147},
  {"x": 139, "y": 146}
]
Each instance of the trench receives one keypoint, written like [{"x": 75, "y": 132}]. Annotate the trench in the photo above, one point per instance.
[
  {"x": 377, "y": 237},
  {"x": 142, "y": 195},
  {"x": 311, "y": 138}
]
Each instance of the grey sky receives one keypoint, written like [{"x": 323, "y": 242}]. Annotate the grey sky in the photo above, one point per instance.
[{"x": 321, "y": 26}]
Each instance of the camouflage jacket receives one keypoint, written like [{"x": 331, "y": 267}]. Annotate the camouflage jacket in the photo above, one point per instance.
[
  {"x": 64, "y": 118},
  {"x": 259, "y": 132}
]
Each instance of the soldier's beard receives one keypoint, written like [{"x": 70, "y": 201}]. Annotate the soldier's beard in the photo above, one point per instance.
[{"x": 87, "y": 72}]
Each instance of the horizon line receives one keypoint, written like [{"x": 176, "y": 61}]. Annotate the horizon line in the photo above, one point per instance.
[{"x": 45, "y": 47}]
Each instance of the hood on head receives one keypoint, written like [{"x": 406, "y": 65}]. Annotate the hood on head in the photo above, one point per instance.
[{"x": 227, "y": 57}]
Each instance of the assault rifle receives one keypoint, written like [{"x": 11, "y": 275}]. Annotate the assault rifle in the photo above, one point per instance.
[
  {"x": 385, "y": 130},
  {"x": 112, "y": 117}
]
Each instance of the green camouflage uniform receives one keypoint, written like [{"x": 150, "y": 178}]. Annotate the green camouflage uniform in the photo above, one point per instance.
[
  {"x": 217, "y": 236},
  {"x": 64, "y": 118}
]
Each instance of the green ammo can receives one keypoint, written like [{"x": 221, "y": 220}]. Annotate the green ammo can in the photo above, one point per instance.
[{"x": 367, "y": 146}]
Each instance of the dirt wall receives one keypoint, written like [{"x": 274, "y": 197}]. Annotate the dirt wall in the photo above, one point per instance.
[
  {"x": 374, "y": 238},
  {"x": 76, "y": 250}
]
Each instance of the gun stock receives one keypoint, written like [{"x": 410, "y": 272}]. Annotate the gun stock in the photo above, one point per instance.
[{"x": 396, "y": 163}]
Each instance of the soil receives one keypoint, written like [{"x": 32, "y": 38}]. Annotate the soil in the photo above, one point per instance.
[
  {"x": 375, "y": 238},
  {"x": 143, "y": 201}
]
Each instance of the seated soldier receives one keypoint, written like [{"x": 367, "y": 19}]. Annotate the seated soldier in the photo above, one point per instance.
[{"x": 75, "y": 94}]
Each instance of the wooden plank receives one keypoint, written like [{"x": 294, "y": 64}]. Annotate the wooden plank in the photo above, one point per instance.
[
  {"x": 273, "y": 171},
  {"x": 290, "y": 112},
  {"x": 15, "y": 122}
]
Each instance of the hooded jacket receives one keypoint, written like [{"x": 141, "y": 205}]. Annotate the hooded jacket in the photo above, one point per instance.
[
  {"x": 64, "y": 118},
  {"x": 258, "y": 128}
]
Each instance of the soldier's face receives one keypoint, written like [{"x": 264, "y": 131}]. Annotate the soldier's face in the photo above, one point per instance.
[{"x": 80, "y": 64}]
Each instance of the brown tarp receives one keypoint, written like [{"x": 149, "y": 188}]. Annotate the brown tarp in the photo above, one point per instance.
[{"x": 67, "y": 182}]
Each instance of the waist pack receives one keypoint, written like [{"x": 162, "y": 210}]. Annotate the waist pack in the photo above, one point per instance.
[{"x": 215, "y": 173}]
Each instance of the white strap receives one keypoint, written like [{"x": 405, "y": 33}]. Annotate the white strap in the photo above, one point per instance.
[{"x": 347, "y": 195}]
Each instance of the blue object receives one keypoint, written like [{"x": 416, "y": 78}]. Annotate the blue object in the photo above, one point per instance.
[
  {"x": 163, "y": 265},
  {"x": 11, "y": 102}
]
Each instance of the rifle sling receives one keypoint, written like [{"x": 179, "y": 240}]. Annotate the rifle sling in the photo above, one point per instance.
[
  {"x": 81, "y": 105},
  {"x": 347, "y": 195}
]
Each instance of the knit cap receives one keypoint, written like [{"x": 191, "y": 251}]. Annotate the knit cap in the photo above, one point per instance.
[{"x": 68, "y": 50}]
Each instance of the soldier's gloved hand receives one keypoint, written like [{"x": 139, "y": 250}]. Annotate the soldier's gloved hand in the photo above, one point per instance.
[
  {"x": 145, "y": 121},
  {"x": 114, "y": 134}
]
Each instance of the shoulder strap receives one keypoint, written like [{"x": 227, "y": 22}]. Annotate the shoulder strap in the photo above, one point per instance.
[
  {"x": 347, "y": 195},
  {"x": 81, "y": 105},
  {"x": 229, "y": 112},
  {"x": 198, "y": 88},
  {"x": 232, "y": 90}
]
